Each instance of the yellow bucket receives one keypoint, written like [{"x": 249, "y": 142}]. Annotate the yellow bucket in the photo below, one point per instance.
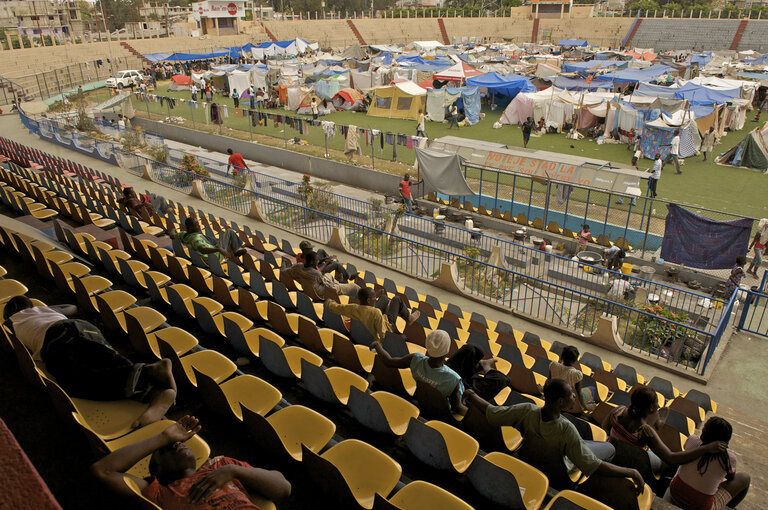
[{"x": 626, "y": 268}]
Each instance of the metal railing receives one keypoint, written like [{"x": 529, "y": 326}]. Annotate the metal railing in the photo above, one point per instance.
[
  {"x": 453, "y": 239},
  {"x": 754, "y": 317},
  {"x": 661, "y": 337},
  {"x": 457, "y": 239},
  {"x": 67, "y": 79},
  {"x": 638, "y": 220}
]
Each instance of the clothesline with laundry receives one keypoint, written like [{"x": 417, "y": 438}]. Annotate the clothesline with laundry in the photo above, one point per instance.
[{"x": 216, "y": 113}]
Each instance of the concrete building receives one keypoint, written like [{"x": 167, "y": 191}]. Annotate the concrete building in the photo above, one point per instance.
[
  {"x": 219, "y": 17},
  {"x": 32, "y": 18}
]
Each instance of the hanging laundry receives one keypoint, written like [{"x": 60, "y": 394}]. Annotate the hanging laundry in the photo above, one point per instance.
[
  {"x": 216, "y": 114},
  {"x": 352, "y": 144},
  {"x": 328, "y": 128},
  {"x": 409, "y": 142}
]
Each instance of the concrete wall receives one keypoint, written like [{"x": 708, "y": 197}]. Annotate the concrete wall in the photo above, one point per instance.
[{"x": 283, "y": 158}]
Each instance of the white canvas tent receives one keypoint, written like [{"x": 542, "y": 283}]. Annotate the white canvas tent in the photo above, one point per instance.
[
  {"x": 554, "y": 105},
  {"x": 426, "y": 45},
  {"x": 239, "y": 80}
]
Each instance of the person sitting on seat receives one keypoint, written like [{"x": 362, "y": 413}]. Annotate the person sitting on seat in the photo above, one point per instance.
[
  {"x": 228, "y": 245},
  {"x": 431, "y": 368},
  {"x": 614, "y": 258},
  {"x": 308, "y": 276},
  {"x": 221, "y": 482},
  {"x": 83, "y": 363},
  {"x": 378, "y": 316},
  {"x": 564, "y": 369},
  {"x": 135, "y": 205},
  {"x": 711, "y": 482},
  {"x": 546, "y": 423},
  {"x": 637, "y": 425},
  {"x": 326, "y": 263}
]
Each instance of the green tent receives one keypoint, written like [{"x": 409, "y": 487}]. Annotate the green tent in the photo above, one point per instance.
[{"x": 752, "y": 152}]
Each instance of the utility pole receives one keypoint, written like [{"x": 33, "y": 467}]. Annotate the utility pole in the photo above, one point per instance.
[
  {"x": 167, "y": 22},
  {"x": 37, "y": 19},
  {"x": 109, "y": 37}
]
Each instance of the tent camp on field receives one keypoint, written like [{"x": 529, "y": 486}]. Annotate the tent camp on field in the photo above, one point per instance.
[
  {"x": 752, "y": 152},
  {"x": 399, "y": 101}
]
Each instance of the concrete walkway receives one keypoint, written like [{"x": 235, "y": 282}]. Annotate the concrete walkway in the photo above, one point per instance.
[{"x": 735, "y": 384}]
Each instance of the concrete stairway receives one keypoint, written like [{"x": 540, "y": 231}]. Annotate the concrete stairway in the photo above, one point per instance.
[
  {"x": 357, "y": 33},
  {"x": 443, "y": 31}
]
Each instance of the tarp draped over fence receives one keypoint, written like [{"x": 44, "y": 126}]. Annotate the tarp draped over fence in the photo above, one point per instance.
[
  {"x": 703, "y": 243},
  {"x": 442, "y": 172}
]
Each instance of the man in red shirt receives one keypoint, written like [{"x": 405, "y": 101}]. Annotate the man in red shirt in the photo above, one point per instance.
[
  {"x": 236, "y": 161},
  {"x": 221, "y": 482},
  {"x": 405, "y": 191}
]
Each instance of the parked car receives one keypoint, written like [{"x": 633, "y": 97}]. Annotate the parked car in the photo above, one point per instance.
[{"x": 125, "y": 79}]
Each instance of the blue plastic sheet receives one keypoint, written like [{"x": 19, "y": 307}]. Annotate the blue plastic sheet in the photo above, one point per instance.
[
  {"x": 701, "y": 95},
  {"x": 470, "y": 96},
  {"x": 583, "y": 67},
  {"x": 703, "y": 243},
  {"x": 634, "y": 75},
  {"x": 510, "y": 85},
  {"x": 573, "y": 42},
  {"x": 563, "y": 82}
]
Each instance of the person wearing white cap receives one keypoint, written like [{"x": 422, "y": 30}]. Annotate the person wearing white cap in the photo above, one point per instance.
[{"x": 431, "y": 368}]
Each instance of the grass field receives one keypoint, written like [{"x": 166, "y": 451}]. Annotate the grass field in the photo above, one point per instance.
[{"x": 703, "y": 184}]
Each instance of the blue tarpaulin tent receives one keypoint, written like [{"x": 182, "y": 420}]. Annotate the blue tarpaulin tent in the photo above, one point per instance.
[
  {"x": 510, "y": 85},
  {"x": 647, "y": 89},
  {"x": 762, "y": 60},
  {"x": 563, "y": 82},
  {"x": 594, "y": 65},
  {"x": 701, "y": 95},
  {"x": 634, "y": 75},
  {"x": 573, "y": 42},
  {"x": 157, "y": 57},
  {"x": 179, "y": 57},
  {"x": 701, "y": 59}
]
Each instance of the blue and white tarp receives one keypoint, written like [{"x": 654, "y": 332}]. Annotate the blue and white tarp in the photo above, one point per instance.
[
  {"x": 510, "y": 85},
  {"x": 633, "y": 75}
]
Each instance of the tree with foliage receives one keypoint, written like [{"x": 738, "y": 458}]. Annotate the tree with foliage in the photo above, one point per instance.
[
  {"x": 118, "y": 12},
  {"x": 86, "y": 10}
]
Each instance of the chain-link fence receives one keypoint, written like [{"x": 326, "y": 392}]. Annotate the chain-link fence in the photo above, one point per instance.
[{"x": 64, "y": 79}]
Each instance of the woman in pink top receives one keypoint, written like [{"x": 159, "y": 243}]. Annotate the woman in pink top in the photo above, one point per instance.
[
  {"x": 710, "y": 482},
  {"x": 584, "y": 237}
]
